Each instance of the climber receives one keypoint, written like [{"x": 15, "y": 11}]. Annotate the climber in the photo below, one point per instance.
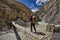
[{"x": 33, "y": 20}]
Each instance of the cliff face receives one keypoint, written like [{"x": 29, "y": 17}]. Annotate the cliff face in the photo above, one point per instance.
[
  {"x": 50, "y": 12},
  {"x": 11, "y": 9}
]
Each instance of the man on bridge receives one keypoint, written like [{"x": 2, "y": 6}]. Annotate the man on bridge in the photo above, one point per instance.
[{"x": 33, "y": 20}]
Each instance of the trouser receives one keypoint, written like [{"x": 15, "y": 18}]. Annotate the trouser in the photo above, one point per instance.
[{"x": 33, "y": 26}]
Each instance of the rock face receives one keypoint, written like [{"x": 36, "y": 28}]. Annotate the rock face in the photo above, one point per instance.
[
  {"x": 11, "y": 9},
  {"x": 50, "y": 12}
]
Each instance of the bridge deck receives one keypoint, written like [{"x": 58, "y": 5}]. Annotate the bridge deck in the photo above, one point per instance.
[{"x": 40, "y": 27}]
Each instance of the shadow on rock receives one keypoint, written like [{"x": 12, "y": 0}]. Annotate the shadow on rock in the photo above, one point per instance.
[
  {"x": 56, "y": 31},
  {"x": 39, "y": 33}
]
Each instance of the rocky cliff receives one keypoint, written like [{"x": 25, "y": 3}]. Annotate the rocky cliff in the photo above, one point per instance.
[
  {"x": 50, "y": 12},
  {"x": 10, "y": 10}
]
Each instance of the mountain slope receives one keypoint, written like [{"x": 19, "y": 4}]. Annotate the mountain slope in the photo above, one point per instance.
[
  {"x": 50, "y": 12},
  {"x": 10, "y": 10}
]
